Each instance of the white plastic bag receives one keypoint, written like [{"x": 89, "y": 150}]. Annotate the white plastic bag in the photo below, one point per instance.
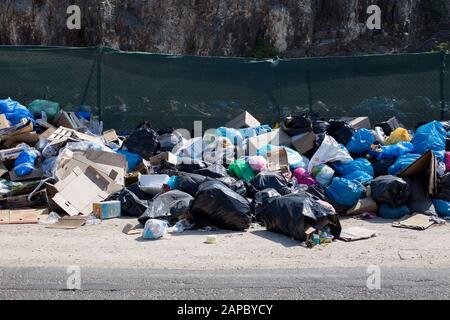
[
  {"x": 330, "y": 150},
  {"x": 155, "y": 229}
]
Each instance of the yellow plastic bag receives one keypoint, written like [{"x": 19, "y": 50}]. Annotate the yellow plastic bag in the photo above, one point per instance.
[{"x": 398, "y": 135}]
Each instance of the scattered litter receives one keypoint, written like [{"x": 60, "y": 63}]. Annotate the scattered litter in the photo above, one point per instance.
[{"x": 356, "y": 233}]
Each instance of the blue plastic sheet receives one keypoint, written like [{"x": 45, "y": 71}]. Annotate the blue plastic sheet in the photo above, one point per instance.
[
  {"x": 430, "y": 136},
  {"x": 344, "y": 192},
  {"x": 24, "y": 164},
  {"x": 396, "y": 150},
  {"x": 133, "y": 159},
  {"x": 442, "y": 207},
  {"x": 402, "y": 163},
  {"x": 361, "y": 141},
  {"x": 14, "y": 111},
  {"x": 359, "y": 164},
  {"x": 386, "y": 212},
  {"x": 256, "y": 131}
]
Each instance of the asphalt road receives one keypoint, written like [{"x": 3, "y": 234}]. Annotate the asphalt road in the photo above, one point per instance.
[{"x": 320, "y": 283}]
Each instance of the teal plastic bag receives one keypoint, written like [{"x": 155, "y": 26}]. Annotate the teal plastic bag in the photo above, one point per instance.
[
  {"x": 344, "y": 192},
  {"x": 24, "y": 164},
  {"x": 442, "y": 207},
  {"x": 402, "y": 163},
  {"x": 360, "y": 164},
  {"x": 430, "y": 136},
  {"x": 396, "y": 150},
  {"x": 51, "y": 108},
  {"x": 133, "y": 159},
  {"x": 386, "y": 212},
  {"x": 359, "y": 176}
]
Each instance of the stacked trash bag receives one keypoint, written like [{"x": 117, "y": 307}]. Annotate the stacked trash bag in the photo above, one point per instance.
[{"x": 296, "y": 179}]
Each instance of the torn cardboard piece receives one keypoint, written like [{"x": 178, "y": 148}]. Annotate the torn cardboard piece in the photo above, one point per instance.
[
  {"x": 81, "y": 188},
  {"x": 363, "y": 205},
  {"x": 23, "y": 216},
  {"x": 131, "y": 230},
  {"x": 30, "y": 138},
  {"x": 13, "y": 153},
  {"x": 417, "y": 222},
  {"x": 356, "y": 233},
  {"x": 424, "y": 168},
  {"x": 243, "y": 120},
  {"x": 278, "y": 160},
  {"x": 68, "y": 223},
  {"x": 276, "y": 137},
  {"x": 358, "y": 122},
  {"x": 4, "y": 122},
  {"x": 110, "y": 136},
  {"x": 23, "y": 126},
  {"x": 163, "y": 157},
  {"x": 303, "y": 142}
]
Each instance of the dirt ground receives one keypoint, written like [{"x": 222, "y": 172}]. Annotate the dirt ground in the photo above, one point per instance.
[{"x": 105, "y": 245}]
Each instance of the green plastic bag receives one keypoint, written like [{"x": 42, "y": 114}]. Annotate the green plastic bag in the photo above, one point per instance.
[
  {"x": 241, "y": 170},
  {"x": 49, "y": 107}
]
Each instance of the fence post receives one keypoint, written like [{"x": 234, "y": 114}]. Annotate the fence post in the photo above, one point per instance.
[
  {"x": 308, "y": 80},
  {"x": 99, "y": 82},
  {"x": 442, "y": 89}
]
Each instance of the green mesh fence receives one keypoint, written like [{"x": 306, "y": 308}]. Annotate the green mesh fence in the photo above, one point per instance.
[
  {"x": 125, "y": 88},
  {"x": 65, "y": 75}
]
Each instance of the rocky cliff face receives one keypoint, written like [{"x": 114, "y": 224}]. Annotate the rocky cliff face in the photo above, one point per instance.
[{"x": 288, "y": 28}]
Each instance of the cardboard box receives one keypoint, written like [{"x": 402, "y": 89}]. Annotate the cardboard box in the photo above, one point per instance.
[
  {"x": 68, "y": 120},
  {"x": 163, "y": 156},
  {"x": 113, "y": 165},
  {"x": 363, "y": 205},
  {"x": 278, "y": 160},
  {"x": 417, "y": 221},
  {"x": 358, "y": 122},
  {"x": 243, "y": 120},
  {"x": 22, "y": 127},
  {"x": 277, "y": 138},
  {"x": 23, "y": 216},
  {"x": 356, "y": 233},
  {"x": 304, "y": 142},
  {"x": 4, "y": 122},
  {"x": 389, "y": 125},
  {"x": 81, "y": 188},
  {"x": 107, "y": 209},
  {"x": 110, "y": 136},
  {"x": 13, "y": 153},
  {"x": 30, "y": 138},
  {"x": 425, "y": 166}
]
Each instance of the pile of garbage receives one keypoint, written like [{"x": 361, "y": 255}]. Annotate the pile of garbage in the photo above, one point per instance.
[{"x": 296, "y": 178}]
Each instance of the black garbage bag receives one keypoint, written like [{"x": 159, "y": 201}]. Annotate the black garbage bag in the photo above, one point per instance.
[
  {"x": 443, "y": 187},
  {"x": 380, "y": 167},
  {"x": 190, "y": 182},
  {"x": 341, "y": 131},
  {"x": 190, "y": 165},
  {"x": 131, "y": 205},
  {"x": 220, "y": 206},
  {"x": 143, "y": 140},
  {"x": 273, "y": 180},
  {"x": 213, "y": 171},
  {"x": 390, "y": 190},
  {"x": 170, "y": 206},
  {"x": 167, "y": 130},
  {"x": 260, "y": 201},
  {"x": 418, "y": 200},
  {"x": 238, "y": 186},
  {"x": 168, "y": 141},
  {"x": 166, "y": 167},
  {"x": 294, "y": 213},
  {"x": 297, "y": 124}
]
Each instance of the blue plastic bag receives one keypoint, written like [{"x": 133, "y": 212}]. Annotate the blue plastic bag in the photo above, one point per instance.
[
  {"x": 133, "y": 159},
  {"x": 14, "y": 111},
  {"x": 386, "y": 212},
  {"x": 359, "y": 164},
  {"x": 402, "y": 163},
  {"x": 359, "y": 176},
  {"x": 430, "y": 136},
  {"x": 24, "y": 164},
  {"x": 442, "y": 207},
  {"x": 344, "y": 192},
  {"x": 396, "y": 150},
  {"x": 233, "y": 135},
  {"x": 361, "y": 141}
]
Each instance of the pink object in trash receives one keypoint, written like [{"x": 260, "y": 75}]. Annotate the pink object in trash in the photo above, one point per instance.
[
  {"x": 257, "y": 163},
  {"x": 447, "y": 161},
  {"x": 303, "y": 177}
]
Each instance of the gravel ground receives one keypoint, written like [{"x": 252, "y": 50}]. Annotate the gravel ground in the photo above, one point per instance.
[{"x": 105, "y": 246}]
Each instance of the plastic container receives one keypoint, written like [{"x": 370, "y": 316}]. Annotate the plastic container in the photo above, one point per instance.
[{"x": 153, "y": 184}]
